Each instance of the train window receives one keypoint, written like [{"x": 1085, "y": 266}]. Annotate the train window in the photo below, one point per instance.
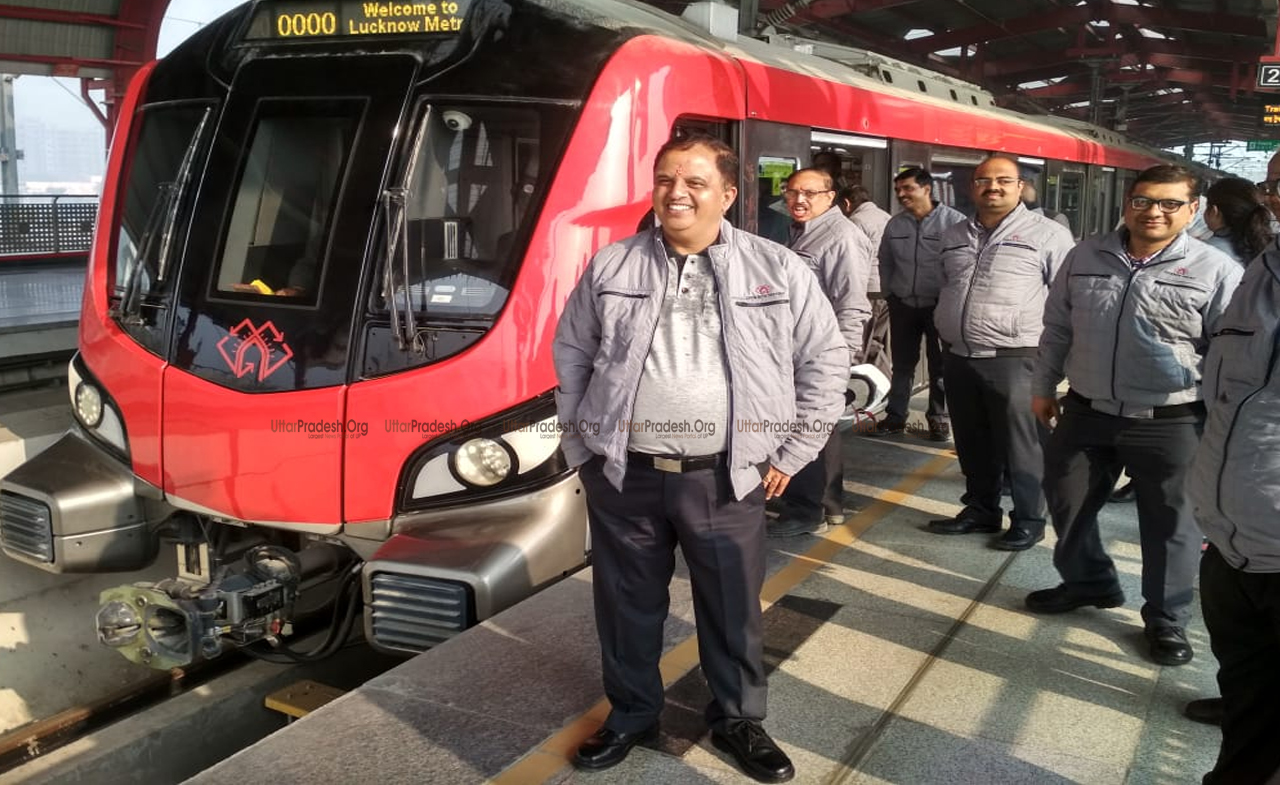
[
  {"x": 773, "y": 219},
  {"x": 465, "y": 210},
  {"x": 160, "y": 166},
  {"x": 285, "y": 200}
]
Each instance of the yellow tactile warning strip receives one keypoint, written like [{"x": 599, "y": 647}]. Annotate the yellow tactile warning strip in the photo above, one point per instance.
[{"x": 544, "y": 762}]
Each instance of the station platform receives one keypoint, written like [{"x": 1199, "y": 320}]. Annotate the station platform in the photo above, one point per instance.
[
  {"x": 896, "y": 656},
  {"x": 39, "y": 307}
]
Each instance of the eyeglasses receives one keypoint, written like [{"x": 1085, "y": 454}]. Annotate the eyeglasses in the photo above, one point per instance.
[
  {"x": 792, "y": 194},
  {"x": 1003, "y": 182},
  {"x": 1269, "y": 187},
  {"x": 1142, "y": 204}
]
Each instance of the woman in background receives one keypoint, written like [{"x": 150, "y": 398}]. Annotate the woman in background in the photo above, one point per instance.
[{"x": 1241, "y": 224}]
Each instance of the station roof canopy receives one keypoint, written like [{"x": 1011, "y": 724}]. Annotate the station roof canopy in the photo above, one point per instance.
[{"x": 1168, "y": 72}]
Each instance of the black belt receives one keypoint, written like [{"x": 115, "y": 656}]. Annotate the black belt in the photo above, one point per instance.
[
  {"x": 677, "y": 463},
  {"x": 1190, "y": 409}
]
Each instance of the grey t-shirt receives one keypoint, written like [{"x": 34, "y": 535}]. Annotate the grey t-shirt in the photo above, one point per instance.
[{"x": 682, "y": 402}]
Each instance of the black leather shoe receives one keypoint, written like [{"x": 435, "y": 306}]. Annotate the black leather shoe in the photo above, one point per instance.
[
  {"x": 609, "y": 747},
  {"x": 965, "y": 523},
  {"x": 1017, "y": 539},
  {"x": 1061, "y": 599},
  {"x": 1169, "y": 645},
  {"x": 887, "y": 427},
  {"x": 939, "y": 433},
  {"x": 1206, "y": 710},
  {"x": 1123, "y": 494},
  {"x": 755, "y": 752}
]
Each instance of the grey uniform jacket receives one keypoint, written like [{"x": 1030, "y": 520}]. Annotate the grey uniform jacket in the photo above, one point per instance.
[
  {"x": 993, "y": 293},
  {"x": 871, "y": 219},
  {"x": 840, "y": 254},
  {"x": 786, "y": 361},
  {"x": 1133, "y": 339},
  {"x": 910, "y": 268},
  {"x": 1235, "y": 479}
]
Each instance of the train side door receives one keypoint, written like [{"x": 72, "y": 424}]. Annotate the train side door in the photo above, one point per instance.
[
  {"x": 1071, "y": 198},
  {"x": 770, "y": 153}
]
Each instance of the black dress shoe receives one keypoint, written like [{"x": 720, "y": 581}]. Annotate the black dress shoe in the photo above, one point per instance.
[
  {"x": 1206, "y": 710},
  {"x": 1124, "y": 494},
  {"x": 1018, "y": 539},
  {"x": 609, "y": 747},
  {"x": 965, "y": 523},
  {"x": 939, "y": 433},
  {"x": 1061, "y": 599},
  {"x": 755, "y": 752},
  {"x": 887, "y": 427},
  {"x": 1169, "y": 645}
]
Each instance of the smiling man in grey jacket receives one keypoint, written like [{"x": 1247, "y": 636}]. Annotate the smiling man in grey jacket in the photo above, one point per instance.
[
  {"x": 840, "y": 254},
  {"x": 700, "y": 368},
  {"x": 996, "y": 273},
  {"x": 1128, "y": 323}
]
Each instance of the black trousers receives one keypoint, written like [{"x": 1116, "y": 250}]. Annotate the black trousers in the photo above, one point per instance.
[
  {"x": 907, "y": 325},
  {"x": 994, "y": 430},
  {"x": 1242, "y": 612},
  {"x": 1082, "y": 461},
  {"x": 818, "y": 488},
  {"x": 875, "y": 350},
  {"x": 634, "y": 534}
]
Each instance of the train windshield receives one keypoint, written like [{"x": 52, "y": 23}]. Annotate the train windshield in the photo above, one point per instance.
[
  {"x": 285, "y": 201},
  {"x": 163, "y": 158},
  {"x": 456, "y": 227}
]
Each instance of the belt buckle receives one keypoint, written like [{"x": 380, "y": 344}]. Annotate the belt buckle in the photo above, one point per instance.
[{"x": 668, "y": 464}]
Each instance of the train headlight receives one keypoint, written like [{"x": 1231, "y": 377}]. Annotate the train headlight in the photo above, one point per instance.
[
  {"x": 88, "y": 404},
  {"x": 482, "y": 462}
]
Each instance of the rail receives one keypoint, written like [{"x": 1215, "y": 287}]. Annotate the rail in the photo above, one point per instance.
[{"x": 40, "y": 224}]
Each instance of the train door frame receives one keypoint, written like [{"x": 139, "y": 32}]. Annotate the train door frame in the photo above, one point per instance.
[
  {"x": 1101, "y": 186},
  {"x": 956, "y": 160},
  {"x": 763, "y": 139},
  {"x": 1075, "y": 214}
]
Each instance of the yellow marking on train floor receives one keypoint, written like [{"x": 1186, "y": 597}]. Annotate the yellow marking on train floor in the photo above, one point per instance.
[{"x": 555, "y": 753}]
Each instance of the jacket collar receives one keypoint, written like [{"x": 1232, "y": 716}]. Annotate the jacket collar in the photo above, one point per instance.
[{"x": 1117, "y": 243}]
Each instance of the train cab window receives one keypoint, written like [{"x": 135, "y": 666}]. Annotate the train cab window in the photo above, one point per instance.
[
  {"x": 159, "y": 167},
  {"x": 284, "y": 202},
  {"x": 457, "y": 226}
]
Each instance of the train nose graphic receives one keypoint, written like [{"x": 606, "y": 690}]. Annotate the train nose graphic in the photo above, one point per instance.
[{"x": 248, "y": 348}]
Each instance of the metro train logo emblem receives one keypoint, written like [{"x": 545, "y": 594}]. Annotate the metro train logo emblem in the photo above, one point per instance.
[{"x": 254, "y": 348}]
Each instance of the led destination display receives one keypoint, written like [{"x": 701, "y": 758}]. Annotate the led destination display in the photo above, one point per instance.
[{"x": 347, "y": 18}]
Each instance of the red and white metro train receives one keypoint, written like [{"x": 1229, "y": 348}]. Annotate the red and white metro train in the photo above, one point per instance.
[{"x": 334, "y": 240}]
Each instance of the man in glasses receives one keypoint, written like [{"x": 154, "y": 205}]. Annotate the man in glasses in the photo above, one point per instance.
[
  {"x": 996, "y": 273},
  {"x": 910, "y": 277},
  {"x": 839, "y": 253},
  {"x": 1128, "y": 323}
]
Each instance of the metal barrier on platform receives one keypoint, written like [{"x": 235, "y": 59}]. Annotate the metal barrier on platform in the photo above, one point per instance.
[{"x": 35, "y": 224}]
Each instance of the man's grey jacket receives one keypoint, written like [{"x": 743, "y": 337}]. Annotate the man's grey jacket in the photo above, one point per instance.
[
  {"x": 840, "y": 254},
  {"x": 788, "y": 366},
  {"x": 994, "y": 287},
  {"x": 910, "y": 265},
  {"x": 1129, "y": 339},
  {"x": 1235, "y": 479}
]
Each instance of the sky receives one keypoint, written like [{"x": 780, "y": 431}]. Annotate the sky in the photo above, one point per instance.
[{"x": 57, "y": 102}]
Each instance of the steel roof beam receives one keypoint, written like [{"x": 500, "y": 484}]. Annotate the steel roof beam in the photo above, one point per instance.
[
  {"x": 1074, "y": 17},
  {"x": 55, "y": 16}
]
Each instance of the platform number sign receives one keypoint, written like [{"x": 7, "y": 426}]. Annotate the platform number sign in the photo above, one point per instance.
[{"x": 1269, "y": 76}]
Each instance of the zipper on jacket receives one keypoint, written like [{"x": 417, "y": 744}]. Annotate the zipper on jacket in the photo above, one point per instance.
[
  {"x": 1115, "y": 346},
  {"x": 628, "y": 295},
  {"x": 968, "y": 295},
  {"x": 762, "y": 304},
  {"x": 666, "y": 281}
]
